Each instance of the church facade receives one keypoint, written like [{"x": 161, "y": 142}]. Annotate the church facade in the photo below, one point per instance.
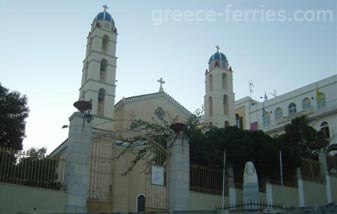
[{"x": 110, "y": 188}]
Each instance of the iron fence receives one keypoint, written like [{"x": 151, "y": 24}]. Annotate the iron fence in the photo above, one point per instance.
[{"x": 25, "y": 168}]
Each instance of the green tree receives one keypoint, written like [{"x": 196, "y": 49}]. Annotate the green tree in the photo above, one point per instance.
[
  {"x": 13, "y": 112},
  {"x": 301, "y": 138}
]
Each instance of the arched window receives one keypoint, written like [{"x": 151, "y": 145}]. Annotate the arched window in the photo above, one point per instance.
[
  {"x": 306, "y": 105},
  {"x": 225, "y": 104},
  {"x": 104, "y": 65},
  {"x": 321, "y": 102},
  {"x": 325, "y": 130},
  {"x": 278, "y": 113},
  {"x": 210, "y": 106},
  {"x": 101, "y": 98},
  {"x": 224, "y": 81},
  {"x": 292, "y": 108},
  {"x": 141, "y": 203},
  {"x": 210, "y": 82},
  {"x": 266, "y": 119},
  {"x": 105, "y": 43}
]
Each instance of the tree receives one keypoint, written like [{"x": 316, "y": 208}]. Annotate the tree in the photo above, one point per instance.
[
  {"x": 13, "y": 112},
  {"x": 301, "y": 138}
]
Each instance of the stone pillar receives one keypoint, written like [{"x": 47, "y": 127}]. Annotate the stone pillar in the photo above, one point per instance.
[
  {"x": 232, "y": 190},
  {"x": 269, "y": 191},
  {"x": 77, "y": 165},
  {"x": 300, "y": 188},
  {"x": 325, "y": 175},
  {"x": 178, "y": 170}
]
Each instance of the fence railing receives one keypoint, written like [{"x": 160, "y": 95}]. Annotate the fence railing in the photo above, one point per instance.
[
  {"x": 206, "y": 179},
  {"x": 310, "y": 170},
  {"x": 253, "y": 205},
  {"x": 28, "y": 169}
]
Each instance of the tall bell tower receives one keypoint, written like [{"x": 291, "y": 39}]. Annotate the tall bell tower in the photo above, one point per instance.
[
  {"x": 99, "y": 70},
  {"x": 219, "y": 95}
]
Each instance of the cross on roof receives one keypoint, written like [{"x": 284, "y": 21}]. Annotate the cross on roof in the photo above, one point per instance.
[
  {"x": 161, "y": 81},
  {"x": 217, "y": 48},
  {"x": 105, "y": 7}
]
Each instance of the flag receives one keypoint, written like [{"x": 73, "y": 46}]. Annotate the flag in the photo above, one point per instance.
[{"x": 318, "y": 95}]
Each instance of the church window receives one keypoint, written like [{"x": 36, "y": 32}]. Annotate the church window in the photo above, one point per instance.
[
  {"x": 325, "y": 130},
  {"x": 225, "y": 104},
  {"x": 321, "y": 102},
  {"x": 278, "y": 114},
  {"x": 292, "y": 108},
  {"x": 224, "y": 81},
  {"x": 210, "y": 82},
  {"x": 141, "y": 203},
  {"x": 266, "y": 119},
  {"x": 102, "y": 74},
  {"x": 306, "y": 105},
  {"x": 101, "y": 98},
  {"x": 210, "y": 107},
  {"x": 105, "y": 43},
  {"x": 160, "y": 113}
]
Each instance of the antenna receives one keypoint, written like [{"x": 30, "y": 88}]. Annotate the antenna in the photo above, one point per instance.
[{"x": 251, "y": 86}]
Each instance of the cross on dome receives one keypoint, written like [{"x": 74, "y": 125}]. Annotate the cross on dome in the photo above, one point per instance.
[
  {"x": 105, "y": 7},
  {"x": 217, "y": 48},
  {"x": 161, "y": 81}
]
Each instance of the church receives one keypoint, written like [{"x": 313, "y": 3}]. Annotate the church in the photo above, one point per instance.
[{"x": 109, "y": 188}]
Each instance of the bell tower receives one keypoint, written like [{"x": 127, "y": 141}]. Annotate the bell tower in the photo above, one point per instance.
[
  {"x": 99, "y": 70},
  {"x": 219, "y": 95}
]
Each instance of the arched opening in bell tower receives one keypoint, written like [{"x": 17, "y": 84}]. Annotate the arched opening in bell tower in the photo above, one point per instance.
[{"x": 100, "y": 104}]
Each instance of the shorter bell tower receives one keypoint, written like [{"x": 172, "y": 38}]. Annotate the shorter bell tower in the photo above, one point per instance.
[
  {"x": 219, "y": 95},
  {"x": 99, "y": 70}
]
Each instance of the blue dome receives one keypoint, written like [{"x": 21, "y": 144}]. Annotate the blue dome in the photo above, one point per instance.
[
  {"x": 105, "y": 16},
  {"x": 218, "y": 56}
]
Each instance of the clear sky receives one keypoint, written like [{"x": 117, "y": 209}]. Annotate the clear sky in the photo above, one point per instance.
[{"x": 279, "y": 45}]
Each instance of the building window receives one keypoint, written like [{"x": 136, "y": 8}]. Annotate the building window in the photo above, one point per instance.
[
  {"x": 141, "y": 203},
  {"x": 325, "y": 130},
  {"x": 104, "y": 65},
  {"x": 101, "y": 98},
  {"x": 266, "y": 119},
  {"x": 105, "y": 43},
  {"x": 239, "y": 121},
  {"x": 210, "y": 106},
  {"x": 321, "y": 102},
  {"x": 306, "y": 104},
  {"x": 292, "y": 108},
  {"x": 278, "y": 114},
  {"x": 224, "y": 81},
  {"x": 210, "y": 82},
  {"x": 225, "y": 104}
]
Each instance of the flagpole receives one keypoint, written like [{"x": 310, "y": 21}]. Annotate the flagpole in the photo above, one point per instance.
[
  {"x": 281, "y": 176},
  {"x": 223, "y": 181}
]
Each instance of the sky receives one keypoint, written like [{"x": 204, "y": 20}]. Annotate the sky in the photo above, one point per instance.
[{"x": 278, "y": 45}]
